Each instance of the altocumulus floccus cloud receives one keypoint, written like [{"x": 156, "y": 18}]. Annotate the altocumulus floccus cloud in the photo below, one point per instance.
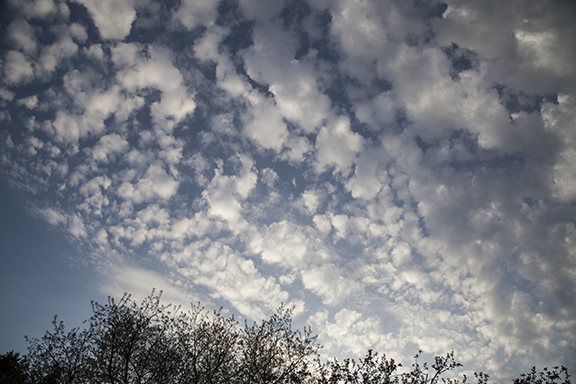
[{"x": 402, "y": 173}]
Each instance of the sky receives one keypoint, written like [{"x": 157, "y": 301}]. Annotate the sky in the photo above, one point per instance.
[{"x": 401, "y": 172}]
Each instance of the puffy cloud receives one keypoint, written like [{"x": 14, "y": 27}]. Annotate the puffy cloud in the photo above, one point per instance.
[
  {"x": 30, "y": 102},
  {"x": 206, "y": 48},
  {"x": 265, "y": 125},
  {"x": 94, "y": 194},
  {"x": 113, "y": 18},
  {"x": 17, "y": 68},
  {"x": 6, "y": 95},
  {"x": 350, "y": 332},
  {"x": 336, "y": 145},
  {"x": 222, "y": 202},
  {"x": 78, "y": 32},
  {"x": 193, "y": 14},
  {"x": 94, "y": 51},
  {"x": 225, "y": 193},
  {"x": 229, "y": 80},
  {"x": 155, "y": 183},
  {"x": 230, "y": 277},
  {"x": 36, "y": 8},
  {"x": 66, "y": 128},
  {"x": 378, "y": 111},
  {"x": 282, "y": 243},
  {"x": 108, "y": 145},
  {"x": 52, "y": 55},
  {"x": 23, "y": 35},
  {"x": 529, "y": 40},
  {"x": 328, "y": 282},
  {"x": 293, "y": 83},
  {"x": 158, "y": 72},
  {"x": 368, "y": 177},
  {"x": 313, "y": 199},
  {"x": 322, "y": 223}
]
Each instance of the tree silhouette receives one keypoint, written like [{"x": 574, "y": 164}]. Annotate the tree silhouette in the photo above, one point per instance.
[
  {"x": 132, "y": 343},
  {"x": 273, "y": 353},
  {"x": 545, "y": 376},
  {"x": 14, "y": 369},
  {"x": 206, "y": 346},
  {"x": 60, "y": 357},
  {"x": 126, "y": 342}
]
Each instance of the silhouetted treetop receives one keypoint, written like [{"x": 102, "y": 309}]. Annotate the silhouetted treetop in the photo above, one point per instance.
[{"x": 127, "y": 342}]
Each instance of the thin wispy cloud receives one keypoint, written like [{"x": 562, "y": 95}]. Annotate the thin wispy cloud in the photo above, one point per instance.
[{"x": 402, "y": 173}]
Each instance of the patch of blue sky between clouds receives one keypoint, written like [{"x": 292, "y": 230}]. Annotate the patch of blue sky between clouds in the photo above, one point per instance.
[{"x": 404, "y": 179}]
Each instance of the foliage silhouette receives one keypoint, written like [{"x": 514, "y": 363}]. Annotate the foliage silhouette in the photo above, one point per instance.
[
  {"x": 14, "y": 368},
  {"x": 126, "y": 342},
  {"x": 545, "y": 376}
]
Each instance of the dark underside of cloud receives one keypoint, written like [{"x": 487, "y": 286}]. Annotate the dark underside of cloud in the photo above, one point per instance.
[{"x": 401, "y": 172}]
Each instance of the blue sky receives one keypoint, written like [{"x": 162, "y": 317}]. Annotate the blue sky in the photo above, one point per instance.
[{"x": 400, "y": 172}]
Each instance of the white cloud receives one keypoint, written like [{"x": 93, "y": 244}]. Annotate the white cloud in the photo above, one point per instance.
[
  {"x": 94, "y": 51},
  {"x": 206, "y": 48},
  {"x": 78, "y": 32},
  {"x": 351, "y": 333},
  {"x": 322, "y": 223},
  {"x": 53, "y": 217},
  {"x": 30, "y": 102},
  {"x": 23, "y": 35},
  {"x": 377, "y": 111},
  {"x": 284, "y": 244},
  {"x": 6, "y": 95},
  {"x": 246, "y": 180},
  {"x": 296, "y": 149},
  {"x": 94, "y": 195},
  {"x": 36, "y": 8},
  {"x": 293, "y": 83},
  {"x": 155, "y": 183},
  {"x": 17, "y": 68},
  {"x": 264, "y": 125},
  {"x": 96, "y": 105},
  {"x": 52, "y": 55},
  {"x": 229, "y": 80},
  {"x": 527, "y": 50},
  {"x": 231, "y": 277},
  {"x": 225, "y": 194},
  {"x": 193, "y": 13},
  {"x": 76, "y": 227},
  {"x": 113, "y": 18},
  {"x": 109, "y": 145},
  {"x": 337, "y": 145},
  {"x": 313, "y": 199},
  {"x": 221, "y": 199},
  {"x": 328, "y": 283},
  {"x": 269, "y": 177},
  {"x": 368, "y": 177},
  {"x": 158, "y": 72},
  {"x": 66, "y": 128}
]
